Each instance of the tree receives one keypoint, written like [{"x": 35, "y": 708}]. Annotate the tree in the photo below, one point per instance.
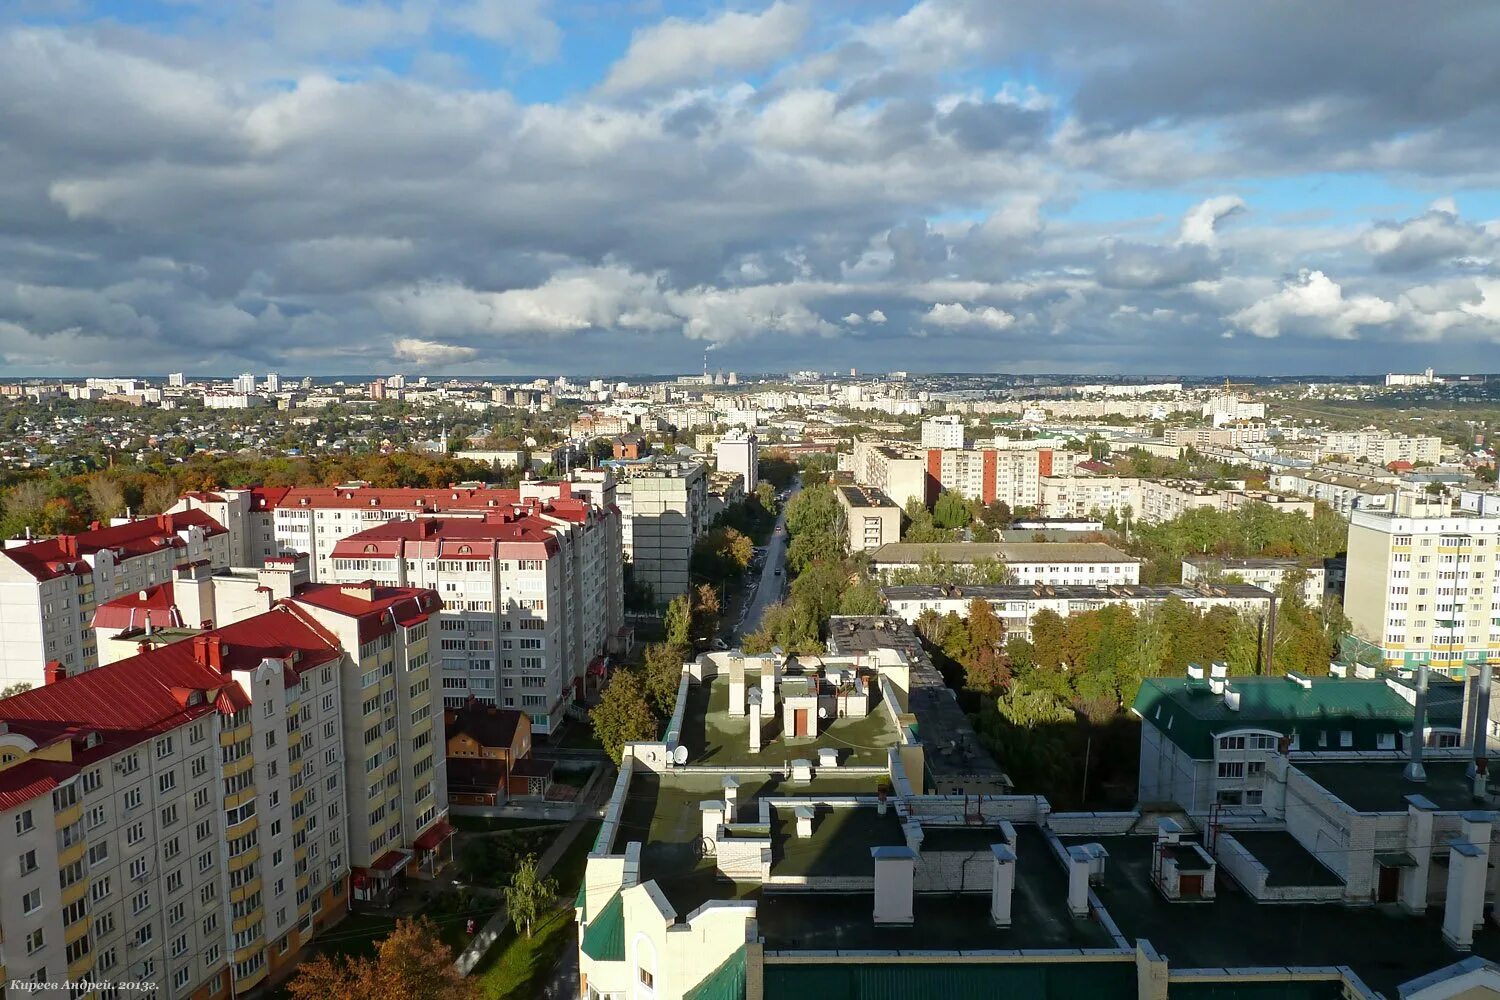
[
  {"x": 16, "y": 688},
  {"x": 663, "y": 664},
  {"x": 529, "y": 894},
  {"x": 158, "y": 495},
  {"x": 950, "y": 511},
  {"x": 623, "y": 714},
  {"x": 411, "y": 963},
  {"x": 704, "y": 612},
  {"x": 679, "y": 622},
  {"x": 862, "y": 598}
]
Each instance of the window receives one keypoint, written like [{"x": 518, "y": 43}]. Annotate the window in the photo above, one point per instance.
[
  {"x": 35, "y": 941},
  {"x": 32, "y": 901},
  {"x": 647, "y": 980},
  {"x": 1385, "y": 741},
  {"x": 24, "y": 822},
  {"x": 1346, "y": 738},
  {"x": 28, "y": 862},
  {"x": 1231, "y": 769}
]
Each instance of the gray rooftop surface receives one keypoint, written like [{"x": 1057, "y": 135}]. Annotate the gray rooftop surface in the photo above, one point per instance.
[
  {"x": 1381, "y": 786},
  {"x": 956, "y": 762},
  {"x": 1287, "y": 862},
  {"x": 1382, "y": 945}
]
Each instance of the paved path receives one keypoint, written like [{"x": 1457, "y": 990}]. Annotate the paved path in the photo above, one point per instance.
[
  {"x": 588, "y": 810},
  {"x": 772, "y": 575}
]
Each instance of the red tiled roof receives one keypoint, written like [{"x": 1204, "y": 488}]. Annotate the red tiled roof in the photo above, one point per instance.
[
  {"x": 435, "y": 500},
  {"x": 380, "y": 612},
  {"x": 522, "y": 535},
  {"x": 267, "y": 497},
  {"x": 130, "y": 610},
  {"x": 31, "y": 779},
  {"x": 131, "y": 700},
  {"x": 54, "y": 557}
]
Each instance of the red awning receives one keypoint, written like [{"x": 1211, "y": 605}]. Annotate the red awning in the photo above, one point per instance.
[
  {"x": 435, "y": 835},
  {"x": 597, "y": 666},
  {"x": 390, "y": 862}
]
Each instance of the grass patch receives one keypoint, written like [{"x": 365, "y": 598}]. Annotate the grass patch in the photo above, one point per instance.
[
  {"x": 574, "y": 776},
  {"x": 580, "y": 736},
  {"x": 517, "y": 966}
]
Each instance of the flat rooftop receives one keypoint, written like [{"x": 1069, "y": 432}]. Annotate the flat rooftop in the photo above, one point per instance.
[
  {"x": 956, "y": 761},
  {"x": 1383, "y": 945},
  {"x": 714, "y": 737},
  {"x": 1009, "y": 552},
  {"x": 943, "y": 921},
  {"x": 1287, "y": 862},
  {"x": 1381, "y": 786}
]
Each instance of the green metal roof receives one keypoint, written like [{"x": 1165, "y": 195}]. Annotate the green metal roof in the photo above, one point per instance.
[
  {"x": 604, "y": 937},
  {"x": 582, "y": 898},
  {"x": 727, "y": 982},
  {"x": 1189, "y": 713},
  {"x": 945, "y": 981}
]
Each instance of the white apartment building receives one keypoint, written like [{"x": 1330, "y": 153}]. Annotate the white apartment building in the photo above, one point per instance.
[
  {"x": 1425, "y": 377},
  {"x": 871, "y": 518},
  {"x": 1380, "y": 448},
  {"x": 247, "y": 514},
  {"x": 1018, "y": 604},
  {"x": 1422, "y": 583},
  {"x": 1344, "y": 493},
  {"x": 177, "y": 817},
  {"x": 245, "y": 384},
  {"x": 1267, "y": 573},
  {"x": 1166, "y": 500},
  {"x": 273, "y": 382},
  {"x": 50, "y": 587},
  {"x": 899, "y": 475},
  {"x": 532, "y": 598},
  {"x": 1079, "y": 496},
  {"x": 1009, "y": 475},
  {"x": 946, "y": 431},
  {"x": 177, "y": 380},
  {"x": 1048, "y": 563},
  {"x": 738, "y": 451}
]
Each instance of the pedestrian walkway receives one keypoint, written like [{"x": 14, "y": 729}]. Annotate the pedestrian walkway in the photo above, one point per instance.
[{"x": 495, "y": 926}]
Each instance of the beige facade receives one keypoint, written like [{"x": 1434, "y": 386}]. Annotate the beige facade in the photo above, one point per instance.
[
  {"x": 871, "y": 518},
  {"x": 899, "y": 475}
]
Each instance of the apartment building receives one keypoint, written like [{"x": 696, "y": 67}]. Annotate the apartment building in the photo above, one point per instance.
[
  {"x": 1081, "y": 496},
  {"x": 945, "y": 431},
  {"x": 1051, "y": 563},
  {"x": 247, "y": 514},
  {"x": 392, "y": 729},
  {"x": 177, "y": 817},
  {"x": 1267, "y": 573},
  {"x": 1010, "y": 475},
  {"x": 1229, "y": 436},
  {"x": 1422, "y": 583},
  {"x": 531, "y": 598},
  {"x": 1018, "y": 604},
  {"x": 899, "y": 475},
  {"x": 1166, "y": 500},
  {"x": 871, "y": 518},
  {"x": 663, "y": 508},
  {"x": 1380, "y": 448},
  {"x": 1343, "y": 492},
  {"x": 738, "y": 451},
  {"x": 50, "y": 587}
]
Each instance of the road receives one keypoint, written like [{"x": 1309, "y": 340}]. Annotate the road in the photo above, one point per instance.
[{"x": 772, "y": 582}]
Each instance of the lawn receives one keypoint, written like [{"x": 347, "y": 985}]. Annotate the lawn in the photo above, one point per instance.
[{"x": 515, "y": 967}]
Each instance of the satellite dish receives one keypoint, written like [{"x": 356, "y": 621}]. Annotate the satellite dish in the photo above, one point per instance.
[
  {"x": 822, "y": 711},
  {"x": 680, "y": 755}
]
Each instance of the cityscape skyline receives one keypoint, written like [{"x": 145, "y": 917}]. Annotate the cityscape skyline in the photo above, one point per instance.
[{"x": 491, "y": 188}]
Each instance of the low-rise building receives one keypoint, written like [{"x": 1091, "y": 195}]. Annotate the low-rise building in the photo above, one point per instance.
[
  {"x": 1265, "y": 572},
  {"x": 1077, "y": 563},
  {"x": 489, "y": 756},
  {"x": 1017, "y": 604}
]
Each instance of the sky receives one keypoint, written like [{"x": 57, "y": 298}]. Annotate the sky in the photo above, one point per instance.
[{"x": 551, "y": 187}]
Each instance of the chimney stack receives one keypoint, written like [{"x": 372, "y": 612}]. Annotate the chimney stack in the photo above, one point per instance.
[
  {"x": 54, "y": 672},
  {"x": 1414, "y": 769},
  {"x": 1002, "y": 884},
  {"x": 894, "y": 870}
]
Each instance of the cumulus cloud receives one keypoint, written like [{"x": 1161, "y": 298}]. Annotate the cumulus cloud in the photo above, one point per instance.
[
  {"x": 1435, "y": 236},
  {"x": 875, "y": 316},
  {"x": 956, "y": 314},
  {"x": 1200, "y": 223},
  {"x": 431, "y": 352},
  {"x": 677, "y": 51},
  {"x": 1317, "y": 304}
]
